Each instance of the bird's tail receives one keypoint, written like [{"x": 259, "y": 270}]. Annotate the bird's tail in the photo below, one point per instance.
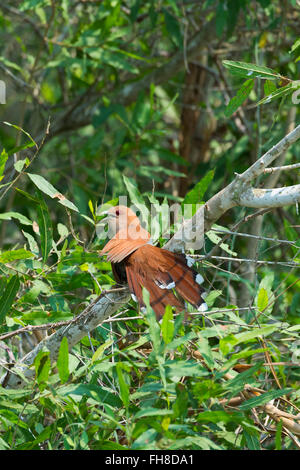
[{"x": 175, "y": 274}]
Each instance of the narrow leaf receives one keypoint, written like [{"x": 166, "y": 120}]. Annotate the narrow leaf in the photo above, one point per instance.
[
  {"x": 173, "y": 28},
  {"x": 63, "y": 360},
  {"x": 262, "y": 300},
  {"x": 9, "y": 296},
  {"x": 22, "y": 130},
  {"x": 239, "y": 98},
  {"x": 42, "y": 366},
  {"x": 196, "y": 194},
  {"x": 278, "y": 436},
  {"x": 9, "y": 256},
  {"x": 51, "y": 191},
  {"x": 124, "y": 389},
  {"x": 244, "y": 69},
  {"x": 15, "y": 215},
  {"x": 3, "y": 159},
  {"x": 167, "y": 326},
  {"x": 263, "y": 398},
  {"x": 252, "y": 440},
  {"x": 45, "y": 227},
  {"x": 99, "y": 352},
  {"x": 280, "y": 92}
]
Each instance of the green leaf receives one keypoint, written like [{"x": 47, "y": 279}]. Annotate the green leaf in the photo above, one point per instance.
[
  {"x": 269, "y": 87},
  {"x": 29, "y": 4},
  {"x": 278, "y": 435},
  {"x": 195, "y": 195},
  {"x": 99, "y": 352},
  {"x": 8, "y": 296},
  {"x": 252, "y": 440},
  {"x": 212, "y": 296},
  {"x": 22, "y": 130},
  {"x": 15, "y": 215},
  {"x": 19, "y": 165},
  {"x": 194, "y": 442},
  {"x": 124, "y": 389},
  {"x": 244, "y": 69},
  {"x": 173, "y": 28},
  {"x": 10, "y": 64},
  {"x": 205, "y": 350},
  {"x": 45, "y": 227},
  {"x": 32, "y": 243},
  {"x": 63, "y": 361},
  {"x": 238, "y": 382},
  {"x": 3, "y": 160},
  {"x": 109, "y": 445},
  {"x": 42, "y": 367},
  {"x": 9, "y": 256},
  {"x": 265, "y": 297},
  {"x": 239, "y": 98},
  {"x": 62, "y": 230},
  {"x": 219, "y": 416},
  {"x": 262, "y": 299},
  {"x": 214, "y": 238},
  {"x": 167, "y": 326},
  {"x": 136, "y": 198},
  {"x": 280, "y": 92},
  {"x": 77, "y": 391},
  {"x": 17, "y": 149},
  {"x": 263, "y": 398},
  {"x": 295, "y": 45},
  {"x": 111, "y": 57},
  {"x": 181, "y": 403},
  {"x": 152, "y": 412},
  {"x": 27, "y": 195},
  {"x": 154, "y": 329},
  {"x": 141, "y": 112},
  {"x": 48, "y": 189},
  {"x": 134, "y": 193},
  {"x": 229, "y": 342}
]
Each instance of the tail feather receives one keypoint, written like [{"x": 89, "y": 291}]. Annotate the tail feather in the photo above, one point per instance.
[
  {"x": 187, "y": 280},
  {"x": 159, "y": 298},
  {"x": 134, "y": 286},
  {"x": 186, "y": 284}
]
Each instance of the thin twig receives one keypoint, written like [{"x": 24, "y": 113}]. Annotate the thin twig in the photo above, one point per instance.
[{"x": 282, "y": 168}]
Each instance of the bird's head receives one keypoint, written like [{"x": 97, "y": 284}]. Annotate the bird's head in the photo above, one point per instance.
[{"x": 121, "y": 219}]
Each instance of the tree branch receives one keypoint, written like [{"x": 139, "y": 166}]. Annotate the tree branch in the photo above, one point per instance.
[{"x": 277, "y": 197}]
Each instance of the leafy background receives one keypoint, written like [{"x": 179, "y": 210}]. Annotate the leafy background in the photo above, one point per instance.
[{"x": 162, "y": 101}]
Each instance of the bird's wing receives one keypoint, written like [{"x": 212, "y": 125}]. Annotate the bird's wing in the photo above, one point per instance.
[
  {"x": 120, "y": 246},
  {"x": 160, "y": 271}
]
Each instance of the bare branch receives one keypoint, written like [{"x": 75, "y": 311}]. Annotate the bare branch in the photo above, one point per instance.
[
  {"x": 277, "y": 197},
  {"x": 282, "y": 168}
]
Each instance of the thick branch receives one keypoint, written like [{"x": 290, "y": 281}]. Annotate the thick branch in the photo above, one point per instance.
[{"x": 277, "y": 197}]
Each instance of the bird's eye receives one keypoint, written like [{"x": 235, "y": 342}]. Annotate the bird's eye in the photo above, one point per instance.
[{"x": 117, "y": 213}]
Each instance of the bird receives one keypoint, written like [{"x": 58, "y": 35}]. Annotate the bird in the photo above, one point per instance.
[{"x": 168, "y": 277}]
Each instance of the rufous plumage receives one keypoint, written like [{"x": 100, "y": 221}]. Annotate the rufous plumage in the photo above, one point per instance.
[{"x": 140, "y": 264}]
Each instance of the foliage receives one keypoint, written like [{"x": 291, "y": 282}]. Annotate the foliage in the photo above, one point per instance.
[{"x": 110, "y": 98}]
